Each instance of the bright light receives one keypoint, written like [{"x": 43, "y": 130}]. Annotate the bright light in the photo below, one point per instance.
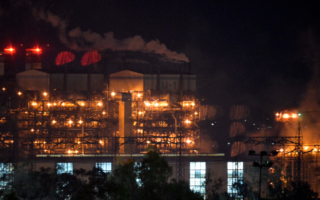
[
  {"x": 286, "y": 116},
  {"x": 9, "y": 50},
  {"x": 192, "y": 104},
  {"x": 32, "y": 130},
  {"x": 306, "y": 148},
  {"x": 277, "y": 114},
  {"x": 54, "y": 104},
  {"x": 4, "y": 89},
  {"x": 147, "y": 103},
  {"x": 69, "y": 151},
  {"x": 281, "y": 150},
  {"x": 49, "y": 104},
  {"x": 99, "y": 104},
  {"x": 19, "y": 93},
  {"x": 166, "y": 104},
  {"x": 82, "y": 104},
  {"x": 188, "y": 141},
  {"x": 196, "y": 113},
  {"x": 148, "y": 141},
  {"x": 103, "y": 112},
  {"x": 139, "y": 95},
  {"x": 294, "y": 115},
  {"x": 112, "y": 93},
  {"x": 54, "y": 121},
  {"x": 156, "y": 104},
  {"x": 80, "y": 122},
  {"x": 63, "y": 104},
  {"x": 78, "y": 142},
  {"x": 187, "y": 104},
  {"x": 140, "y": 113},
  {"x": 34, "y": 103},
  {"x": 45, "y": 94},
  {"x": 188, "y": 121},
  {"x": 76, "y": 151},
  {"x": 70, "y": 121},
  {"x": 100, "y": 141}
]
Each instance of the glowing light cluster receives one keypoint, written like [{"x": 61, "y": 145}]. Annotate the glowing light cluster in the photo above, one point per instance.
[
  {"x": 287, "y": 116},
  {"x": 156, "y": 103}
]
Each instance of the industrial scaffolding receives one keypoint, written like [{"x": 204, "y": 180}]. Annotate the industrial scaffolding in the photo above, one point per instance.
[{"x": 46, "y": 125}]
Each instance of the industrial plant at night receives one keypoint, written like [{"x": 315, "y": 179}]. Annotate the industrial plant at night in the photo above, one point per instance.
[{"x": 81, "y": 115}]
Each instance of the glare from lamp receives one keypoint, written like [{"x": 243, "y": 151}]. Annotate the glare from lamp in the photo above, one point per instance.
[
  {"x": 45, "y": 94},
  {"x": 19, "y": 93},
  {"x": 113, "y": 93}
]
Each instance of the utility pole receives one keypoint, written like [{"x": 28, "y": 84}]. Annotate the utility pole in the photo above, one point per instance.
[{"x": 260, "y": 165}]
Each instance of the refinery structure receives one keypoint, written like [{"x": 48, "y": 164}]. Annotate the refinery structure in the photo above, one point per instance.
[{"x": 84, "y": 117}]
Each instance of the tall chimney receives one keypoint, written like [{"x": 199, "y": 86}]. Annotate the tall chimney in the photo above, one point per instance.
[{"x": 33, "y": 58}]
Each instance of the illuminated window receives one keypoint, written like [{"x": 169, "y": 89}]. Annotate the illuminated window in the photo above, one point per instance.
[
  {"x": 198, "y": 177},
  {"x": 65, "y": 168},
  {"x": 106, "y": 167},
  {"x": 6, "y": 175},
  {"x": 235, "y": 174},
  {"x": 138, "y": 180}
]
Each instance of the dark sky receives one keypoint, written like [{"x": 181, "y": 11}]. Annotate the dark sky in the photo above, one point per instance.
[{"x": 252, "y": 52}]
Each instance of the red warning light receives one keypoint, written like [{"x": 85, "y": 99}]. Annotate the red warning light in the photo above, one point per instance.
[
  {"x": 9, "y": 50},
  {"x": 35, "y": 51},
  {"x": 90, "y": 58},
  {"x": 64, "y": 57}
]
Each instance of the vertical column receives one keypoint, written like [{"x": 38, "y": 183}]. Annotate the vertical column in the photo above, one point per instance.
[{"x": 125, "y": 122}]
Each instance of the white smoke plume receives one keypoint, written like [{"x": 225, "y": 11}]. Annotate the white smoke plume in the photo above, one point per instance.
[{"x": 79, "y": 40}]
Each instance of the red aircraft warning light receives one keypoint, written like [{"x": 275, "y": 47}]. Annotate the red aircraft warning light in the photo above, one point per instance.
[
  {"x": 9, "y": 51},
  {"x": 34, "y": 51}
]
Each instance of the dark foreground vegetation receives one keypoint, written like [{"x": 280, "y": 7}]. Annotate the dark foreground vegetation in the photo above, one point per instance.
[
  {"x": 149, "y": 179},
  {"x": 145, "y": 180}
]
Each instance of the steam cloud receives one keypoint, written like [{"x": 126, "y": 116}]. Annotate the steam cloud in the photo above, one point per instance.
[{"x": 79, "y": 40}]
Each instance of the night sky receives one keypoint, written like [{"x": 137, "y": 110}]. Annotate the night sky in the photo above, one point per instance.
[{"x": 258, "y": 53}]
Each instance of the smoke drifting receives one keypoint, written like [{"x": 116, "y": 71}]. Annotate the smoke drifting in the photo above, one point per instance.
[
  {"x": 310, "y": 105},
  {"x": 79, "y": 40}
]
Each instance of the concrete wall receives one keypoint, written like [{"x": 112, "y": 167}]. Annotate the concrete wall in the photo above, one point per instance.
[
  {"x": 126, "y": 81},
  {"x": 33, "y": 80}
]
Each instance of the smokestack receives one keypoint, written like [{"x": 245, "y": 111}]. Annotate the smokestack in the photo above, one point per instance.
[
  {"x": 6, "y": 62},
  {"x": 158, "y": 79},
  {"x": 181, "y": 82},
  {"x": 33, "y": 59}
]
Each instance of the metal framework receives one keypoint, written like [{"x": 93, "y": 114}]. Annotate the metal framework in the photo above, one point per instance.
[{"x": 48, "y": 124}]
